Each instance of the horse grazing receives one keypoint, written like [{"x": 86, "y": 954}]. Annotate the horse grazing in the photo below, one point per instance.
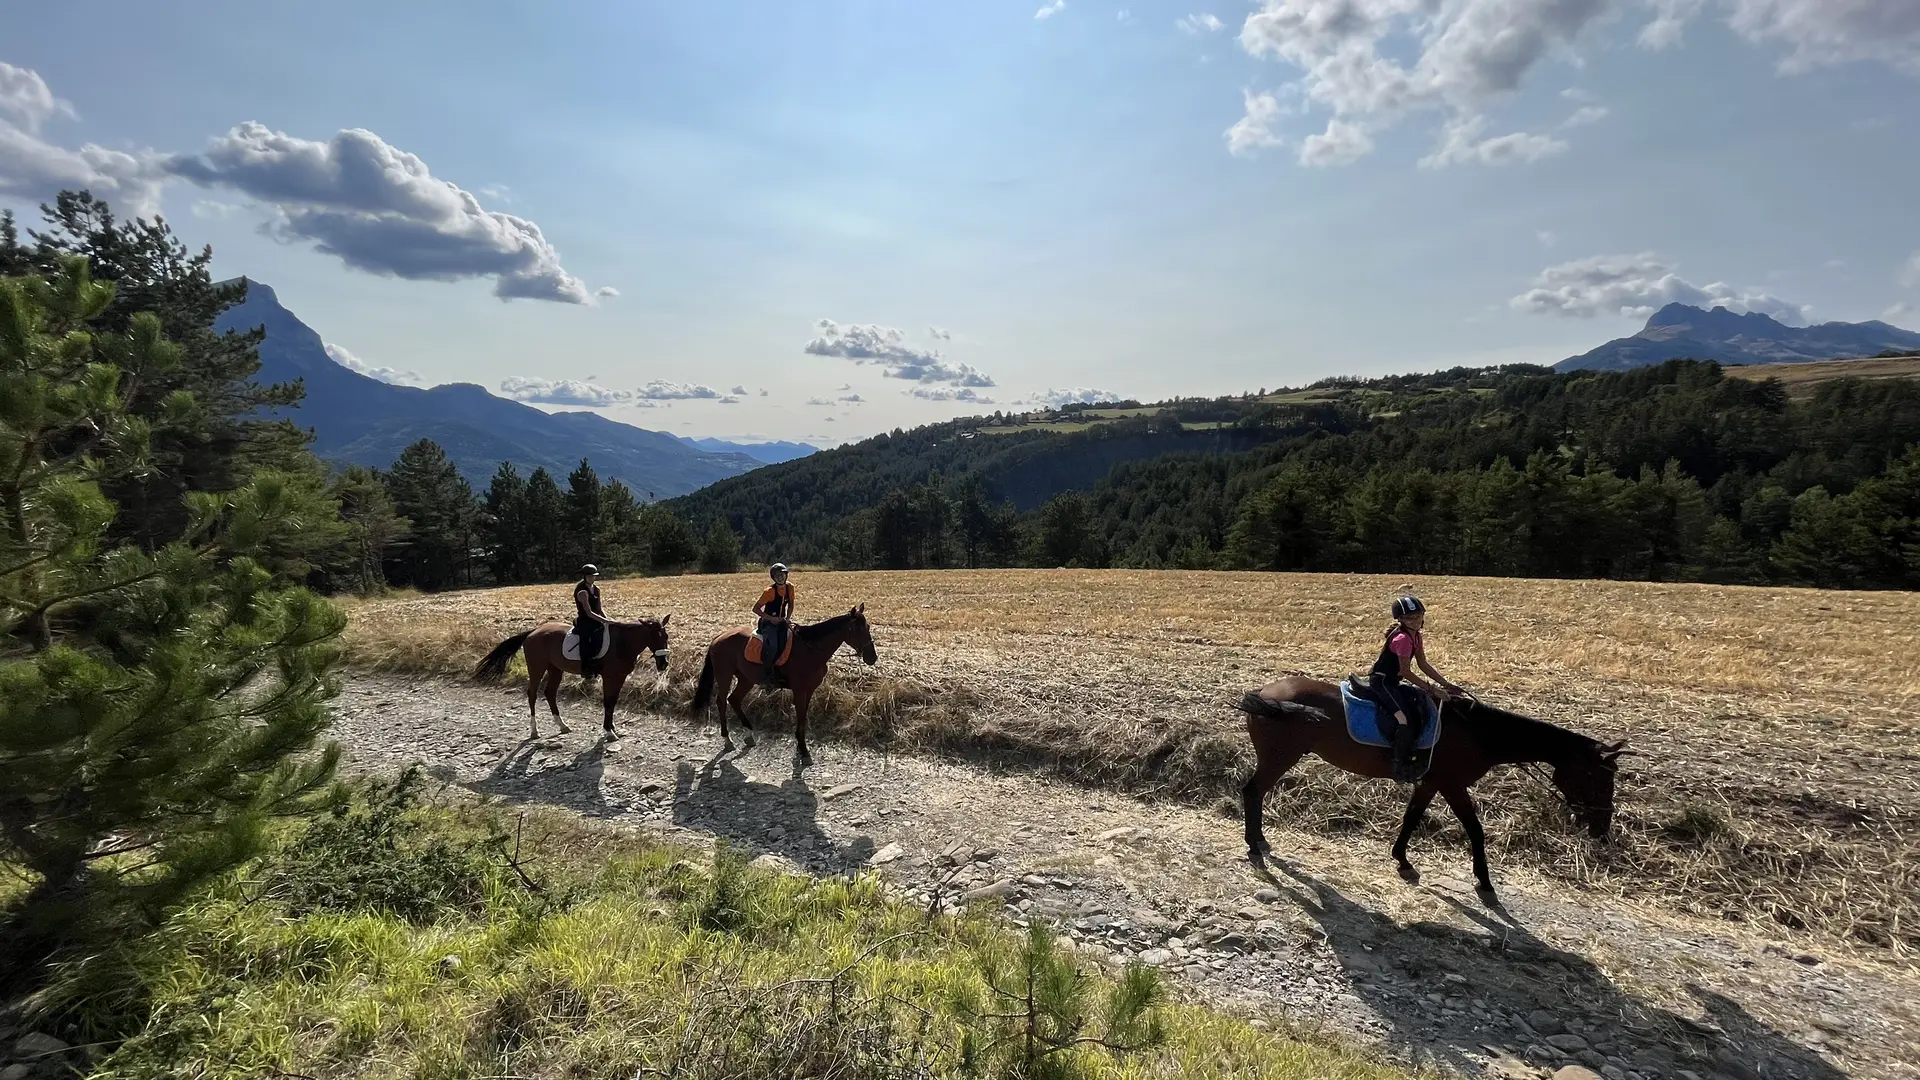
[
  {"x": 1291, "y": 717},
  {"x": 805, "y": 669},
  {"x": 545, "y": 664}
]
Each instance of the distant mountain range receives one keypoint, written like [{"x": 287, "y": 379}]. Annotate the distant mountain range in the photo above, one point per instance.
[
  {"x": 1682, "y": 332},
  {"x": 363, "y": 421},
  {"x": 773, "y": 453}
]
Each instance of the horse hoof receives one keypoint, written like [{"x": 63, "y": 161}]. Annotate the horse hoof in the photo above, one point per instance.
[
  {"x": 750, "y": 742},
  {"x": 726, "y": 746},
  {"x": 1485, "y": 889},
  {"x": 1257, "y": 858},
  {"x": 1409, "y": 873},
  {"x": 806, "y": 759}
]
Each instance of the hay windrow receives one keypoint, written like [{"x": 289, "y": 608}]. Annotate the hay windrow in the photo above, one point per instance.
[{"x": 1779, "y": 751}]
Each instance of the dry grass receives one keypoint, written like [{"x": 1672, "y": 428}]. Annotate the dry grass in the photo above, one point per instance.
[
  {"x": 1800, "y": 379},
  {"x": 1777, "y": 729}
]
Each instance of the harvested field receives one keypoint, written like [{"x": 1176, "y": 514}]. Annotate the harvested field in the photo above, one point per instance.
[
  {"x": 1800, "y": 379},
  {"x": 1780, "y": 758}
]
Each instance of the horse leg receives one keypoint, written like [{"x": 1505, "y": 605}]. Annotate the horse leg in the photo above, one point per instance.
[
  {"x": 738, "y": 701},
  {"x": 800, "y": 700},
  {"x": 1267, "y": 771},
  {"x": 533, "y": 702},
  {"x": 1416, "y": 810},
  {"x": 609, "y": 695},
  {"x": 1464, "y": 809},
  {"x": 554, "y": 675}
]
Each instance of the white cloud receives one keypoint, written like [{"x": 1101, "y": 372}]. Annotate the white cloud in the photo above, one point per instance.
[
  {"x": 380, "y": 209},
  {"x": 1204, "y": 23},
  {"x": 1898, "y": 311},
  {"x": 730, "y": 399},
  {"x": 1461, "y": 144},
  {"x": 497, "y": 192},
  {"x": 740, "y": 391},
  {"x": 1584, "y": 115},
  {"x": 852, "y": 399},
  {"x": 393, "y": 376},
  {"x": 820, "y": 401},
  {"x": 606, "y": 292},
  {"x": 1910, "y": 271},
  {"x": 567, "y": 392},
  {"x": 1077, "y": 395},
  {"x": 887, "y": 347},
  {"x": 25, "y": 95},
  {"x": 1639, "y": 285},
  {"x": 34, "y": 169},
  {"x": 1048, "y": 11},
  {"x": 763, "y": 392},
  {"x": 1548, "y": 238},
  {"x": 939, "y": 333},
  {"x": 1816, "y": 33},
  {"x": 1340, "y": 144},
  {"x": 662, "y": 390},
  {"x": 213, "y": 209},
  {"x": 1254, "y": 130},
  {"x": 948, "y": 393}
]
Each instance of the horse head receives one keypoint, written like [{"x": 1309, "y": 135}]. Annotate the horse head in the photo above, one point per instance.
[
  {"x": 1586, "y": 783},
  {"x": 860, "y": 636},
  {"x": 653, "y": 636}
]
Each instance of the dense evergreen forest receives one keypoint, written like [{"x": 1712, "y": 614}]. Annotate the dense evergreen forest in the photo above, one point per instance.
[{"x": 1672, "y": 472}]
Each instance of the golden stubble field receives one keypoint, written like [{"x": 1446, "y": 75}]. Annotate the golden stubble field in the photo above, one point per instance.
[{"x": 1779, "y": 755}]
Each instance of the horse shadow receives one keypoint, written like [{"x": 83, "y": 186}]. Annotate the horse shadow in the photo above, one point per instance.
[
  {"x": 763, "y": 818},
  {"x": 1509, "y": 972},
  {"x": 575, "y": 786}
]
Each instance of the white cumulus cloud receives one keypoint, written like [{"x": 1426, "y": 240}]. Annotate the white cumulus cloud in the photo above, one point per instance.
[
  {"x": 1460, "y": 143},
  {"x": 1638, "y": 285},
  {"x": 1254, "y": 131},
  {"x": 1048, "y": 11},
  {"x": 1075, "y": 395},
  {"x": 738, "y": 391},
  {"x": 566, "y": 392},
  {"x": 1813, "y": 33},
  {"x": 888, "y": 348},
  {"x": 949, "y": 393},
  {"x": 34, "y": 169},
  {"x": 394, "y": 376},
  {"x": 380, "y": 209},
  {"x": 1203, "y": 23},
  {"x": 663, "y": 390}
]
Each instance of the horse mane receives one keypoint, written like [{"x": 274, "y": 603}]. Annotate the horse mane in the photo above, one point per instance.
[
  {"x": 810, "y": 631},
  {"x": 1501, "y": 728}
]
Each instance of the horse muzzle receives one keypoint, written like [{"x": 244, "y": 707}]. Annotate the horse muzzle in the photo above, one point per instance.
[{"x": 660, "y": 659}]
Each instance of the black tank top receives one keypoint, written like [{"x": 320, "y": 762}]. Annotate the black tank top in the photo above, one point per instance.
[
  {"x": 593, "y": 596},
  {"x": 1388, "y": 662}
]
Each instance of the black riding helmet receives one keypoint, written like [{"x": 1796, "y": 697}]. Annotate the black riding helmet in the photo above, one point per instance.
[
  {"x": 1408, "y": 606},
  {"x": 776, "y": 569},
  {"x": 589, "y": 570}
]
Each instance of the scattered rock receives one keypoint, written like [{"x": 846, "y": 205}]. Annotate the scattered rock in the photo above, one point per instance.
[
  {"x": 1268, "y": 896},
  {"x": 1121, "y": 833},
  {"x": 449, "y": 964},
  {"x": 37, "y": 1044},
  {"x": 999, "y": 889},
  {"x": 1506, "y": 1067},
  {"x": 838, "y": 790},
  {"x": 886, "y": 855},
  {"x": 1545, "y": 1022},
  {"x": 1567, "y": 1041},
  {"x": 1575, "y": 1072},
  {"x": 1156, "y": 957},
  {"x": 19, "y": 1071},
  {"x": 985, "y": 854}
]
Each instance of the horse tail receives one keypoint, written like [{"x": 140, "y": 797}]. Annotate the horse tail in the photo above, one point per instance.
[
  {"x": 496, "y": 661},
  {"x": 704, "y": 691},
  {"x": 1254, "y": 705}
]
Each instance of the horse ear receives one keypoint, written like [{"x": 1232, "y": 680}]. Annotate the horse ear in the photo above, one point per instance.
[
  {"x": 862, "y": 609},
  {"x": 665, "y": 619}
]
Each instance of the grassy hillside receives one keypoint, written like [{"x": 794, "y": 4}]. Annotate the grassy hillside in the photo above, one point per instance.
[{"x": 1801, "y": 379}]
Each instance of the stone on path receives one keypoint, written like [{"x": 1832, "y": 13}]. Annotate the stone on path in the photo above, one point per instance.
[{"x": 886, "y": 855}]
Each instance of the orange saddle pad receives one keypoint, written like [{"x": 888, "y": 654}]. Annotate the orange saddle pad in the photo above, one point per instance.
[{"x": 756, "y": 650}]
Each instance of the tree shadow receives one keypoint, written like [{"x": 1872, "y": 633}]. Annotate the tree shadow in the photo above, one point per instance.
[
  {"x": 1507, "y": 971},
  {"x": 780, "y": 819}
]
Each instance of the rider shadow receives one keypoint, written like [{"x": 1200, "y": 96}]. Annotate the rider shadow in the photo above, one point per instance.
[
  {"x": 575, "y": 786},
  {"x": 1510, "y": 972},
  {"x": 764, "y": 818}
]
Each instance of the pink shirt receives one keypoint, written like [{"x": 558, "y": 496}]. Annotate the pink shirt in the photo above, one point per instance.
[{"x": 1404, "y": 643}]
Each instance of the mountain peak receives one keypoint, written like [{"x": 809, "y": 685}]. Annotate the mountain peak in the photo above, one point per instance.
[
  {"x": 1720, "y": 319},
  {"x": 1684, "y": 332}
]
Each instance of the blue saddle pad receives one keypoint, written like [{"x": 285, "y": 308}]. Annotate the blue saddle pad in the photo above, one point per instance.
[{"x": 1368, "y": 726}]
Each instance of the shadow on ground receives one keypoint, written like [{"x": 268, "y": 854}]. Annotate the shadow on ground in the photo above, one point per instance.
[
  {"x": 764, "y": 818},
  {"x": 1572, "y": 1005}
]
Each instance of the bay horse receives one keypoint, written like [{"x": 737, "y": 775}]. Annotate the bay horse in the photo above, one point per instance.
[
  {"x": 806, "y": 668},
  {"x": 1295, "y": 716},
  {"x": 546, "y": 665}
]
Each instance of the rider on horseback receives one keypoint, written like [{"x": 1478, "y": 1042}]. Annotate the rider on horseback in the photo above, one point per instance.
[
  {"x": 589, "y": 621},
  {"x": 1395, "y": 685},
  {"x": 775, "y": 612}
]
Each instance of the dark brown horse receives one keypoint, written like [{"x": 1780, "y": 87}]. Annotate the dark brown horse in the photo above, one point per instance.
[
  {"x": 806, "y": 667},
  {"x": 1295, "y": 716},
  {"x": 546, "y": 665}
]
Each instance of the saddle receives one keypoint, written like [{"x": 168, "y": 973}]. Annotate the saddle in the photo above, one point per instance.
[
  {"x": 756, "y": 649},
  {"x": 1370, "y": 723},
  {"x": 570, "y": 646}
]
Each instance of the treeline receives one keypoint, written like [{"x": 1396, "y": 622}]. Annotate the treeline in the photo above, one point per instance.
[{"x": 1672, "y": 472}]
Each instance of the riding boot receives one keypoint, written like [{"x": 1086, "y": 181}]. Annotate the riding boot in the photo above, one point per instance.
[{"x": 1403, "y": 738}]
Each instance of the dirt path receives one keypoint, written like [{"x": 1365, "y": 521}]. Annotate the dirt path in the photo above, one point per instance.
[{"x": 1333, "y": 940}]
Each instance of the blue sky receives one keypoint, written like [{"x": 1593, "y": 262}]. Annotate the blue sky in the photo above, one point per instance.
[{"x": 926, "y": 205}]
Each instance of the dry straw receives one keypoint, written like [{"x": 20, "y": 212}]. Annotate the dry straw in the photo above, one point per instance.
[{"x": 1776, "y": 728}]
